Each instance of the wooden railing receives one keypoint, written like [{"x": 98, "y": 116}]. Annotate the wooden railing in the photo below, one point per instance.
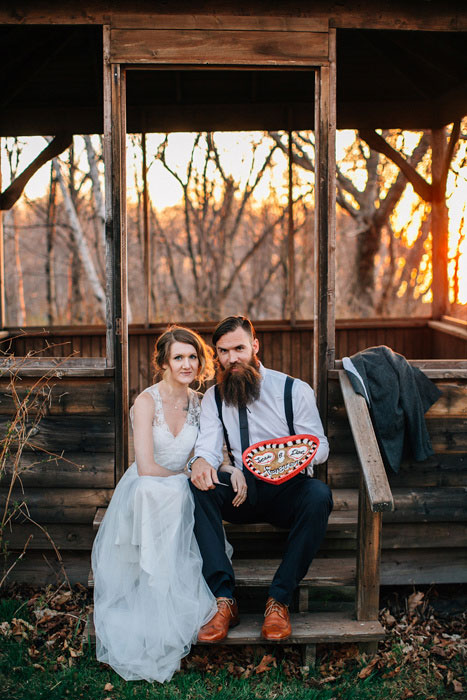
[{"x": 374, "y": 498}]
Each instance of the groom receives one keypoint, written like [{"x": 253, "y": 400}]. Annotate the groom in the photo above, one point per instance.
[{"x": 301, "y": 504}]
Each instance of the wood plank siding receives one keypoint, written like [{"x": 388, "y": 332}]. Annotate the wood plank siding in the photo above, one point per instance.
[
  {"x": 423, "y": 539},
  {"x": 62, "y": 490},
  {"x": 281, "y": 347}
]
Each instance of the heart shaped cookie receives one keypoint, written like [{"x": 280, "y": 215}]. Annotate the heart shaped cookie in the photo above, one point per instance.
[{"x": 279, "y": 459}]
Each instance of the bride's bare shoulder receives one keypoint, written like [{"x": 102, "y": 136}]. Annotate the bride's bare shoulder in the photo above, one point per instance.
[{"x": 144, "y": 402}]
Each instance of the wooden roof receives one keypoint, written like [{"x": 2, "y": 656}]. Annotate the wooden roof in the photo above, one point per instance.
[{"x": 51, "y": 77}]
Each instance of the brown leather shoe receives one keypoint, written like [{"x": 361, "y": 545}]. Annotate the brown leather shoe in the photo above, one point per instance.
[
  {"x": 276, "y": 625},
  {"x": 226, "y": 616}
]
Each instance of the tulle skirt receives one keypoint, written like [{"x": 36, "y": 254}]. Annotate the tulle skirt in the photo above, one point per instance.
[{"x": 150, "y": 597}]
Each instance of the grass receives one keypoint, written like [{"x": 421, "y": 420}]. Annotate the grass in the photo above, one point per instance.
[
  {"x": 19, "y": 680},
  {"x": 35, "y": 667}
]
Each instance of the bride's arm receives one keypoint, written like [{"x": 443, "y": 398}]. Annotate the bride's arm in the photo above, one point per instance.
[{"x": 143, "y": 415}]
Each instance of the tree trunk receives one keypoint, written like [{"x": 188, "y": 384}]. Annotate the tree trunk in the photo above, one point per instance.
[
  {"x": 10, "y": 222},
  {"x": 50, "y": 257},
  {"x": 364, "y": 281},
  {"x": 80, "y": 241}
]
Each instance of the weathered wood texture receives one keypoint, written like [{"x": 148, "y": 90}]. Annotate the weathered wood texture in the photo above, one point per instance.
[
  {"x": 65, "y": 484},
  {"x": 427, "y": 496},
  {"x": 375, "y": 481},
  {"x": 281, "y": 346},
  {"x": 445, "y": 16},
  {"x": 422, "y": 539},
  {"x": 217, "y": 47}
]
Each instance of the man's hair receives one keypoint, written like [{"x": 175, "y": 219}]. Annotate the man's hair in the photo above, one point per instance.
[{"x": 231, "y": 323}]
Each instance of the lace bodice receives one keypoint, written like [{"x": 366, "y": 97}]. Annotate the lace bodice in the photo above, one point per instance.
[{"x": 172, "y": 452}]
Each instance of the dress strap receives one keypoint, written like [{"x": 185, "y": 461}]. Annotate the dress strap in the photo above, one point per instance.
[{"x": 159, "y": 418}]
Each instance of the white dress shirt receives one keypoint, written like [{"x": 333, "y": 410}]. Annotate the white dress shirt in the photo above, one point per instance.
[{"x": 266, "y": 419}]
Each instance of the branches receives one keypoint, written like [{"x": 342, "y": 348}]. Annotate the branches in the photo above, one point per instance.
[
  {"x": 14, "y": 191},
  {"x": 378, "y": 143}
]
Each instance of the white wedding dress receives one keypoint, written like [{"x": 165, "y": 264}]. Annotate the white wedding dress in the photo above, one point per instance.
[{"x": 150, "y": 597}]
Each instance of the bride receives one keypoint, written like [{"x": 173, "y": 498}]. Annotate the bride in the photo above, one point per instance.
[{"x": 150, "y": 598}]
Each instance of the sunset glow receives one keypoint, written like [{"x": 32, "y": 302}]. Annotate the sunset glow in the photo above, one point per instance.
[{"x": 236, "y": 154}]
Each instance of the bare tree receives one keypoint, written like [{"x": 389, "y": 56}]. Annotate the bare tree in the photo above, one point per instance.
[
  {"x": 216, "y": 244},
  {"x": 79, "y": 239},
  {"x": 370, "y": 206}
]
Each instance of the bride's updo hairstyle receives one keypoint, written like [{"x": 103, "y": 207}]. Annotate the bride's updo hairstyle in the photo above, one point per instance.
[{"x": 179, "y": 334}]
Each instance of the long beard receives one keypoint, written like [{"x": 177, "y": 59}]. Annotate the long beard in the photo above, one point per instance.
[{"x": 241, "y": 387}]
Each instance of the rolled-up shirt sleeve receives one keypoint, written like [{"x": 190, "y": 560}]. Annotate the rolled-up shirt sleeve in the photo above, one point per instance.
[
  {"x": 307, "y": 418},
  {"x": 210, "y": 440}
]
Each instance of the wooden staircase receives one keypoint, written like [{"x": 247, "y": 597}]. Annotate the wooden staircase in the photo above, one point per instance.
[{"x": 356, "y": 516}]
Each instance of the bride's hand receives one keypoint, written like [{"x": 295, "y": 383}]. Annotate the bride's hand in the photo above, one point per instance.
[{"x": 238, "y": 482}]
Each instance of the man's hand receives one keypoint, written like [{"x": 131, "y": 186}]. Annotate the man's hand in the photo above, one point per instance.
[
  {"x": 203, "y": 476},
  {"x": 238, "y": 482}
]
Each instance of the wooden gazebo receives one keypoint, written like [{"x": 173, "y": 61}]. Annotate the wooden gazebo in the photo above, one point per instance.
[{"x": 94, "y": 67}]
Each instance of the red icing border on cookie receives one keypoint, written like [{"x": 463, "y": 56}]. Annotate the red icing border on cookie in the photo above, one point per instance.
[{"x": 275, "y": 442}]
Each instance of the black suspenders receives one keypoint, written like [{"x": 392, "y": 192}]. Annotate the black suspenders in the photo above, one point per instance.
[{"x": 244, "y": 439}]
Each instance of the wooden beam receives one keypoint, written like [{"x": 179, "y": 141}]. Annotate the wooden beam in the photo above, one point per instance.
[
  {"x": 439, "y": 226},
  {"x": 447, "y": 15},
  {"x": 2, "y": 260},
  {"x": 117, "y": 260},
  {"x": 14, "y": 191},
  {"x": 109, "y": 222},
  {"x": 223, "y": 47},
  {"x": 290, "y": 239},
  {"x": 147, "y": 241},
  {"x": 325, "y": 193},
  {"x": 216, "y": 21},
  {"x": 368, "y": 558}
]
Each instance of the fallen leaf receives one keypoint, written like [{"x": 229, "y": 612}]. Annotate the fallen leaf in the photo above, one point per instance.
[
  {"x": 5, "y": 629},
  {"x": 387, "y": 619},
  {"x": 20, "y": 628},
  {"x": 328, "y": 679},
  {"x": 414, "y": 600},
  {"x": 367, "y": 670},
  {"x": 62, "y": 598},
  {"x": 265, "y": 663},
  {"x": 458, "y": 687},
  {"x": 109, "y": 687}
]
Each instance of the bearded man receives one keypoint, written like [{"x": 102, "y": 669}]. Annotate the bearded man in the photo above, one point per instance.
[{"x": 251, "y": 399}]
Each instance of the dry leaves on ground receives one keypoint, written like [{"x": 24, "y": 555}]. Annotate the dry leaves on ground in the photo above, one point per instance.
[
  {"x": 58, "y": 619},
  {"x": 415, "y": 635}
]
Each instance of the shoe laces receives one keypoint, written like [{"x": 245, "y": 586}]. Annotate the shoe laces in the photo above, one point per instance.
[
  {"x": 274, "y": 606},
  {"x": 226, "y": 603}
]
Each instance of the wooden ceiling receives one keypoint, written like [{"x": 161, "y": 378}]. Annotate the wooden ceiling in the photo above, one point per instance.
[{"x": 51, "y": 81}]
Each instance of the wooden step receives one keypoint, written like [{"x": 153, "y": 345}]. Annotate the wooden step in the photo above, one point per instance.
[
  {"x": 307, "y": 628},
  {"x": 339, "y": 519},
  {"x": 398, "y": 568},
  {"x": 259, "y": 572}
]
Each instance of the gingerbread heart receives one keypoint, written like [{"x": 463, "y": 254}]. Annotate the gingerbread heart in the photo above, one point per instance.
[{"x": 279, "y": 459}]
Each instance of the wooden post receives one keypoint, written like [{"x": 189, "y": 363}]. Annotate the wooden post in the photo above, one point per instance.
[
  {"x": 439, "y": 226},
  {"x": 117, "y": 284},
  {"x": 147, "y": 242},
  {"x": 325, "y": 205},
  {"x": 368, "y": 558},
  {"x": 291, "y": 242},
  {"x": 2, "y": 261},
  {"x": 109, "y": 223}
]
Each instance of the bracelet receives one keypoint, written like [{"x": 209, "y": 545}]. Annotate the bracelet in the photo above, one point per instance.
[{"x": 190, "y": 463}]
